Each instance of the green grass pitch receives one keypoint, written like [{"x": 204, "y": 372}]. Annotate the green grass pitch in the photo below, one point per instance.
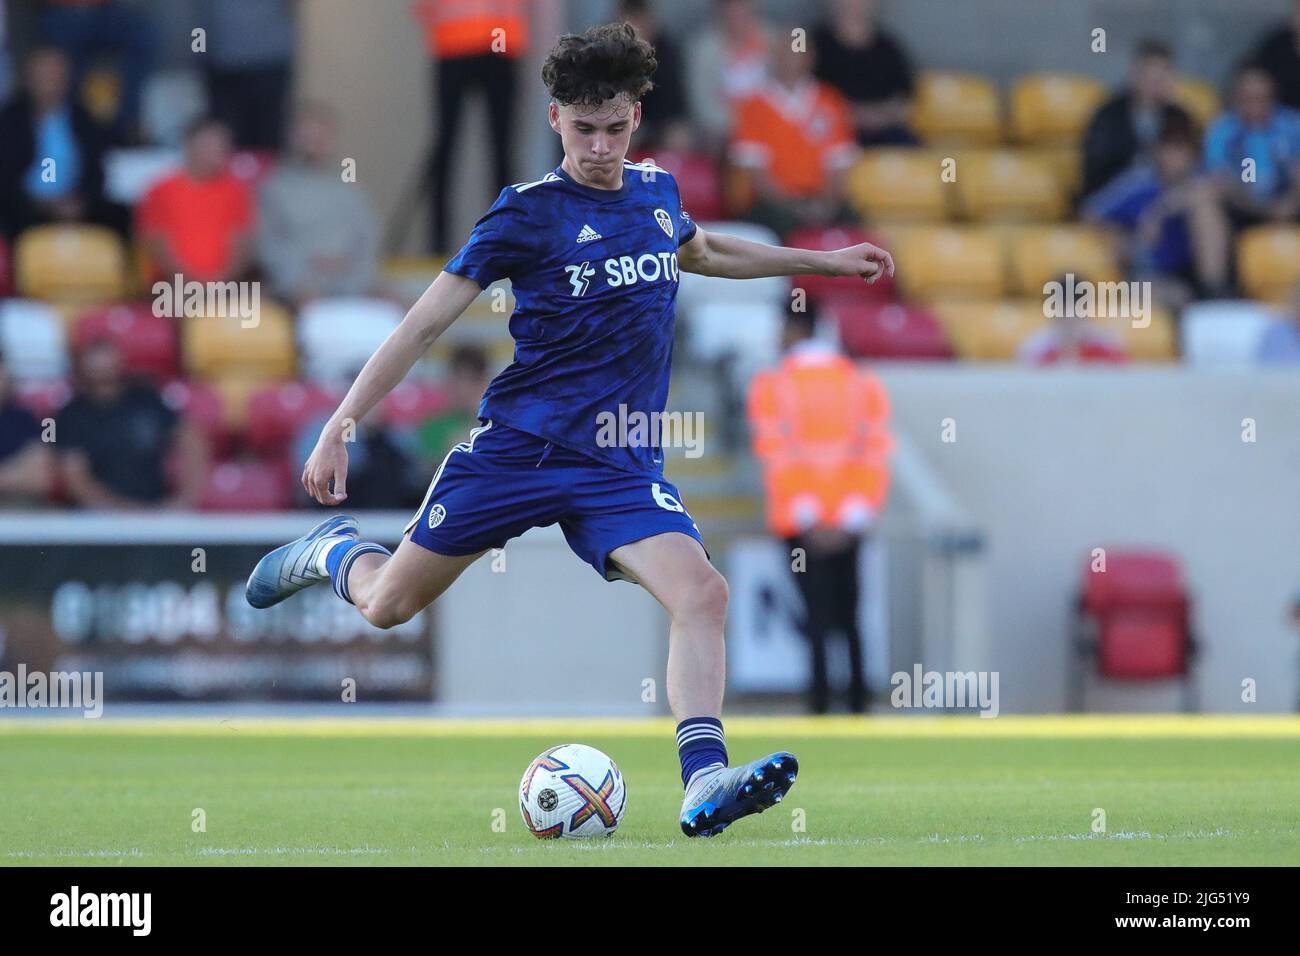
[{"x": 887, "y": 790}]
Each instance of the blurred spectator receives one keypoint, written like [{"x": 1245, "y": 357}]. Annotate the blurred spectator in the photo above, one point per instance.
[
  {"x": 468, "y": 380},
  {"x": 51, "y": 153},
  {"x": 383, "y": 470},
  {"x": 26, "y": 462},
  {"x": 249, "y": 67},
  {"x": 114, "y": 439},
  {"x": 86, "y": 30},
  {"x": 1280, "y": 344},
  {"x": 726, "y": 61},
  {"x": 1071, "y": 339},
  {"x": 794, "y": 137},
  {"x": 476, "y": 44},
  {"x": 870, "y": 68},
  {"x": 1124, "y": 128},
  {"x": 664, "y": 123},
  {"x": 821, "y": 433},
  {"x": 317, "y": 235},
  {"x": 1175, "y": 229},
  {"x": 1279, "y": 54},
  {"x": 198, "y": 222},
  {"x": 1257, "y": 130},
  {"x": 5, "y": 69}
]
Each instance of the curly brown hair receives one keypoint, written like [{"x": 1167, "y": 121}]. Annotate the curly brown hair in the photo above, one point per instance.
[{"x": 589, "y": 68}]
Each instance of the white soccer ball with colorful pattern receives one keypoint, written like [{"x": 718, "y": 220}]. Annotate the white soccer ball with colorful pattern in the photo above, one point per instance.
[{"x": 572, "y": 791}]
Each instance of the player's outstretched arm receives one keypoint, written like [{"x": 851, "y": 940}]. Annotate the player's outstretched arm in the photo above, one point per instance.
[
  {"x": 440, "y": 306},
  {"x": 717, "y": 254}
]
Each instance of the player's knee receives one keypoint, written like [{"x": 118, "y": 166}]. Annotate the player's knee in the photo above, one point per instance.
[
  {"x": 386, "y": 611},
  {"x": 706, "y": 597}
]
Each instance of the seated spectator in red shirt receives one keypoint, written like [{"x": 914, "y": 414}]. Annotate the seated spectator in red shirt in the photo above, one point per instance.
[
  {"x": 1071, "y": 341},
  {"x": 199, "y": 222},
  {"x": 51, "y": 153},
  {"x": 114, "y": 439},
  {"x": 870, "y": 68},
  {"x": 794, "y": 138},
  {"x": 26, "y": 462}
]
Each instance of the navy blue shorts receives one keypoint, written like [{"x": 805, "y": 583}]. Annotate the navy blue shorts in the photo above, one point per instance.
[{"x": 502, "y": 481}]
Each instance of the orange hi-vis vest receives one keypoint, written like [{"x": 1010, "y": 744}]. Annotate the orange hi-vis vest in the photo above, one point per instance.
[
  {"x": 460, "y": 28},
  {"x": 821, "y": 433}
]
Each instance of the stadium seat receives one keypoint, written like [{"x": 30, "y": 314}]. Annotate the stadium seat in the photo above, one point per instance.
[
  {"x": 5, "y": 273},
  {"x": 951, "y": 262},
  {"x": 246, "y": 486},
  {"x": 989, "y": 331},
  {"x": 129, "y": 173},
  {"x": 201, "y": 406},
  {"x": 699, "y": 180},
  {"x": 277, "y": 413},
  {"x": 170, "y": 102},
  {"x": 1066, "y": 164},
  {"x": 216, "y": 346},
  {"x": 101, "y": 92},
  {"x": 33, "y": 340},
  {"x": 824, "y": 287},
  {"x": 748, "y": 331},
  {"x": 1134, "y": 619},
  {"x": 1199, "y": 98},
  {"x": 1268, "y": 262},
  {"x": 70, "y": 263},
  {"x": 147, "y": 342},
  {"x": 1156, "y": 342},
  {"x": 956, "y": 109},
  {"x": 1224, "y": 333},
  {"x": 1038, "y": 254},
  {"x": 888, "y": 330},
  {"x": 697, "y": 290},
  {"x": 412, "y": 403},
  {"x": 1008, "y": 185},
  {"x": 1050, "y": 109},
  {"x": 337, "y": 336},
  {"x": 898, "y": 185}
]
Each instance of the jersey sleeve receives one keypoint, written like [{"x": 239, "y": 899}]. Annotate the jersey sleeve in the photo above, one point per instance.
[
  {"x": 498, "y": 245},
  {"x": 685, "y": 224}
]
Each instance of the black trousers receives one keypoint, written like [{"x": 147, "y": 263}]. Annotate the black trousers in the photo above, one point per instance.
[
  {"x": 494, "y": 74},
  {"x": 829, "y": 585}
]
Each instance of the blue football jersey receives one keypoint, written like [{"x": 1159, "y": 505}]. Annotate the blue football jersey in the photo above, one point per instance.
[{"x": 594, "y": 274}]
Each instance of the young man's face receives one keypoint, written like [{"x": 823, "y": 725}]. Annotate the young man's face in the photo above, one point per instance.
[{"x": 596, "y": 139}]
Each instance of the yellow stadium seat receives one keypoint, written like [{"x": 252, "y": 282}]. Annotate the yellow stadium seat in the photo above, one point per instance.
[
  {"x": 1199, "y": 98},
  {"x": 236, "y": 391},
  {"x": 1268, "y": 262},
  {"x": 70, "y": 263},
  {"x": 1038, "y": 254},
  {"x": 1156, "y": 342},
  {"x": 219, "y": 347},
  {"x": 1053, "y": 108},
  {"x": 949, "y": 262},
  {"x": 101, "y": 93},
  {"x": 989, "y": 331},
  {"x": 1066, "y": 163},
  {"x": 898, "y": 185},
  {"x": 1008, "y": 185},
  {"x": 956, "y": 109}
]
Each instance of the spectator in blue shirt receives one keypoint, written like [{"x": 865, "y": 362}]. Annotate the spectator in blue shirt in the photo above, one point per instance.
[
  {"x": 1258, "y": 130},
  {"x": 1174, "y": 229}
]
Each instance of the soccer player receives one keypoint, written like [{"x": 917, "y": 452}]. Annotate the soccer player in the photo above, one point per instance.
[{"x": 593, "y": 250}]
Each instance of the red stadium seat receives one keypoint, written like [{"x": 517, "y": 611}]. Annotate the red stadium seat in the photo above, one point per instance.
[
  {"x": 699, "y": 179},
  {"x": 201, "y": 406},
  {"x": 1135, "y": 617},
  {"x": 6, "y": 287},
  {"x": 148, "y": 343},
  {"x": 246, "y": 486},
  {"x": 276, "y": 414},
  {"x": 820, "y": 288},
  {"x": 888, "y": 330},
  {"x": 412, "y": 403}
]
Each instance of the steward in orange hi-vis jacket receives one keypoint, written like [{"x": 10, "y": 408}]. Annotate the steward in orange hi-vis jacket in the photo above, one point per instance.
[{"x": 820, "y": 431}]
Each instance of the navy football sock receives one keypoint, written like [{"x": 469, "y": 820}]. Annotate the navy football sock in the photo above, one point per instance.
[
  {"x": 339, "y": 560},
  {"x": 700, "y": 744}
]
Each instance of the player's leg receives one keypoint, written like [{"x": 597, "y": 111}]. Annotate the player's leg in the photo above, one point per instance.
[
  {"x": 390, "y": 590},
  {"x": 674, "y": 567}
]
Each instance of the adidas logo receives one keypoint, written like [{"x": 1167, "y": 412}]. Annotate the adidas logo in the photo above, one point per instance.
[{"x": 588, "y": 234}]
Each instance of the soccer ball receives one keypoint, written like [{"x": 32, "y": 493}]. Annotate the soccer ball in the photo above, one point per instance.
[{"x": 572, "y": 791}]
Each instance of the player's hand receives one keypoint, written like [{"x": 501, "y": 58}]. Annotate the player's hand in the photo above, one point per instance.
[
  {"x": 865, "y": 260},
  {"x": 328, "y": 462}
]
